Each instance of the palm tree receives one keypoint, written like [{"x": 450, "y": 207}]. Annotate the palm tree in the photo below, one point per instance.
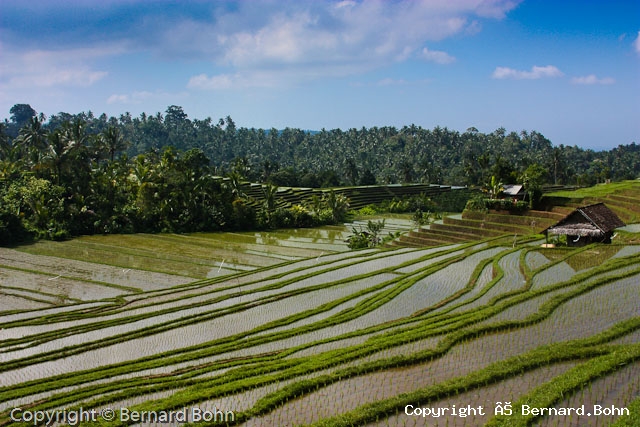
[
  {"x": 270, "y": 191},
  {"x": 75, "y": 133},
  {"x": 338, "y": 204},
  {"x": 60, "y": 149},
  {"x": 11, "y": 165},
  {"x": 557, "y": 156},
  {"x": 113, "y": 141},
  {"x": 33, "y": 139},
  {"x": 235, "y": 185},
  {"x": 532, "y": 179}
]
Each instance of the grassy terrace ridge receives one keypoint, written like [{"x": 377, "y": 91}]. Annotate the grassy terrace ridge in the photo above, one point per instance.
[
  {"x": 334, "y": 338},
  {"x": 600, "y": 190},
  {"x": 359, "y": 196},
  {"x": 120, "y": 385},
  {"x": 623, "y": 198}
]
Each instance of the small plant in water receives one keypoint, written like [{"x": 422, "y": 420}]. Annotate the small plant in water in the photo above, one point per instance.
[{"x": 366, "y": 238}]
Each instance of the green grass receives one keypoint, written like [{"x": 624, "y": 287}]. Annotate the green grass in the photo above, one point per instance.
[{"x": 600, "y": 190}]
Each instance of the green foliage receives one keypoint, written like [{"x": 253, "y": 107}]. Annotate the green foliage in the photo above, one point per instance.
[
  {"x": 368, "y": 238},
  {"x": 421, "y": 218},
  {"x": 40, "y": 205},
  {"x": 399, "y": 206},
  {"x": 286, "y": 178},
  {"x": 301, "y": 217},
  {"x": 477, "y": 203},
  {"x": 631, "y": 420},
  {"x": 450, "y": 201},
  {"x": 244, "y": 216},
  {"x": 367, "y": 178},
  {"x": 507, "y": 205},
  {"x": 337, "y": 205},
  {"x": 12, "y": 230},
  {"x": 163, "y": 172},
  {"x": 334, "y": 157},
  {"x": 358, "y": 240},
  {"x": 494, "y": 187},
  {"x": 533, "y": 178},
  {"x": 368, "y": 210}
]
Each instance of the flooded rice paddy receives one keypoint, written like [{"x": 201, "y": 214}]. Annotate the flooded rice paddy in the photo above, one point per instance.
[{"x": 292, "y": 328}]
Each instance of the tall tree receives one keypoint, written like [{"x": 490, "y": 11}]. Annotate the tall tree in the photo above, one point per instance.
[
  {"x": 32, "y": 140},
  {"x": 20, "y": 116},
  {"x": 113, "y": 141},
  {"x": 532, "y": 179}
]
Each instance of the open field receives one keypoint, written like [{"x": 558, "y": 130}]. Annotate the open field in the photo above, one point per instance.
[{"x": 291, "y": 328}]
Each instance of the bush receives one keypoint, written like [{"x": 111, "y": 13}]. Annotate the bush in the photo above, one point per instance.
[
  {"x": 281, "y": 218},
  {"x": 366, "y": 239},
  {"x": 358, "y": 240},
  {"x": 506, "y": 205},
  {"x": 12, "y": 230},
  {"x": 422, "y": 203},
  {"x": 477, "y": 204},
  {"x": 244, "y": 215},
  {"x": 325, "y": 216},
  {"x": 399, "y": 206},
  {"x": 420, "y": 218},
  {"x": 301, "y": 217},
  {"x": 368, "y": 210},
  {"x": 451, "y": 201}
]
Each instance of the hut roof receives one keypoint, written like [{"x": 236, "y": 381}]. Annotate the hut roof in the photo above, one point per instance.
[
  {"x": 592, "y": 220},
  {"x": 513, "y": 190}
]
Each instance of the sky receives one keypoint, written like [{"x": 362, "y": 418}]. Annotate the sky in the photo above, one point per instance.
[{"x": 568, "y": 69}]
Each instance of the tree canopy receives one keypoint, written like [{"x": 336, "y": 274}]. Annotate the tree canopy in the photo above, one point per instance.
[{"x": 77, "y": 173}]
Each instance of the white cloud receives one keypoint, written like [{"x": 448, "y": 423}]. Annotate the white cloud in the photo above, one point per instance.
[
  {"x": 140, "y": 97},
  {"x": 56, "y": 77},
  {"x": 636, "y": 43},
  {"x": 535, "y": 73},
  {"x": 244, "y": 79},
  {"x": 347, "y": 37},
  {"x": 52, "y": 68},
  {"x": 391, "y": 82},
  {"x": 437, "y": 56},
  {"x": 591, "y": 79},
  {"x": 118, "y": 99},
  {"x": 202, "y": 81}
]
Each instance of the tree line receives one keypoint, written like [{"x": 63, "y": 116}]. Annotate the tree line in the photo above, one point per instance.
[{"x": 72, "y": 174}]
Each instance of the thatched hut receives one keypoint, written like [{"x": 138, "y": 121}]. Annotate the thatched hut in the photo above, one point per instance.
[
  {"x": 588, "y": 224},
  {"x": 513, "y": 191}
]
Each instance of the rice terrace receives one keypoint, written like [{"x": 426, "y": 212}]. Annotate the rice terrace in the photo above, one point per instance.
[{"x": 285, "y": 328}]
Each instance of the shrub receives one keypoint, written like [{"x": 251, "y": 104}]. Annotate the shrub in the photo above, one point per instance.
[
  {"x": 358, "y": 240},
  {"x": 244, "y": 215},
  {"x": 399, "y": 206},
  {"x": 325, "y": 216},
  {"x": 301, "y": 217},
  {"x": 421, "y": 202},
  {"x": 11, "y": 229},
  {"x": 477, "y": 204},
  {"x": 451, "y": 201},
  {"x": 420, "y": 218},
  {"x": 282, "y": 218},
  {"x": 368, "y": 210},
  {"x": 366, "y": 238},
  {"x": 506, "y": 205}
]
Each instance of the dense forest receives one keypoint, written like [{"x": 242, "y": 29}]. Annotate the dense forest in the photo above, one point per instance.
[{"x": 81, "y": 174}]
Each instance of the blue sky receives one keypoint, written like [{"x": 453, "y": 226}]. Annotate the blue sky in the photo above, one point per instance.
[{"x": 567, "y": 69}]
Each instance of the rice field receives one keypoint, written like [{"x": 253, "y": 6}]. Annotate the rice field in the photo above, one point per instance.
[{"x": 292, "y": 328}]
